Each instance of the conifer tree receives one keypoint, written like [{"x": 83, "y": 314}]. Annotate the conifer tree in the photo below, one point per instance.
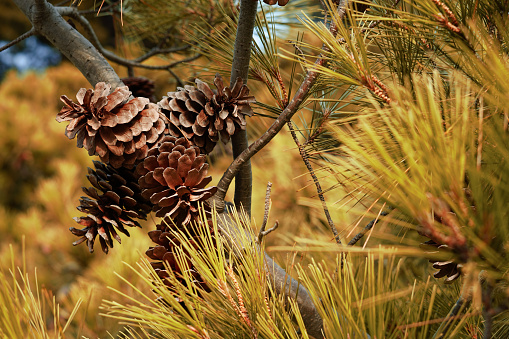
[{"x": 403, "y": 103}]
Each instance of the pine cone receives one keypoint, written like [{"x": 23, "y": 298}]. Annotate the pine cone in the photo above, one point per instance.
[
  {"x": 447, "y": 268},
  {"x": 173, "y": 177},
  {"x": 141, "y": 87},
  {"x": 109, "y": 125},
  {"x": 112, "y": 202},
  {"x": 279, "y": 2},
  {"x": 203, "y": 116},
  {"x": 164, "y": 252}
]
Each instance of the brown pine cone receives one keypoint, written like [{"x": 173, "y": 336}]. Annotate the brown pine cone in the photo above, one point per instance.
[
  {"x": 113, "y": 201},
  {"x": 447, "y": 268},
  {"x": 118, "y": 130},
  {"x": 203, "y": 115},
  {"x": 140, "y": 87},
  {"x": 279, "y": 2},
  {"x": 173, "y": 177},
  {"x": 164, "y": 252}
]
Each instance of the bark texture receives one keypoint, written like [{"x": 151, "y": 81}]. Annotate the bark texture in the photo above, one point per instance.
[
  {"x": 49, "y": 23},
  {"x": 240, "y": 68}
]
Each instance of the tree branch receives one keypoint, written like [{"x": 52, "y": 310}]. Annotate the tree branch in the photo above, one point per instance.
[
  {"x": 304, "y": 156},
  {"x": 50, "y": 24},
  {"x": 277, "y": 125},
  {"x": 74, "y": 13},
  {"x": 281, "y": 281},
  {"x": 18, "y": 39},
  {"x": 368, "y": 227},
  {"x": 240, "y": 68}
]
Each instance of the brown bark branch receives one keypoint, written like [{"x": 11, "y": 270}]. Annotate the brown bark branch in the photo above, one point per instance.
[
  {"x": 50, "y": 24},
  {"x": 277, "y": 125},
  {"x": 240, "y": 68}
]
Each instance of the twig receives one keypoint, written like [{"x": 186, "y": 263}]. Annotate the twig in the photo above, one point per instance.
[
  {"x": 277, "y": 125},
  {"x": 447, "y": 322},
  {"x": 50, "y": 24},
  {"x": 264, "y": 232},
  {"x": 304, "y": 156},
  {"x": 158, "y": 50},
  {"x": 72, "y": 12},
  {"x": 18, "y": 39},
  {"x": 313, "y": 136},
  {"x": 368, "y": 227},
  {"x": 486, "y": 296},
  {"x": 179, "y": 81},
  {"x": 480, "y": 134}
]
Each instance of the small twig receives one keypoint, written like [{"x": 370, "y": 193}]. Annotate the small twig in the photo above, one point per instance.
[
  {"x": 264, "y": 232},
  {"x": 319, "y": 190},
  {"x": 112, "y": 56},
  {"x": 18, "y": 39},
  {"x": 158, "y": 50},
  {"x": 368, "y": 227},
  {"x": 313, "y": 136},
  {"x": 180, "y": 83},
  {"x": 486, "y": 296},
  {"x": 448, "y": 321},
  {"x": 480, "y": 134},
  {"x": 267, "y": 205}
]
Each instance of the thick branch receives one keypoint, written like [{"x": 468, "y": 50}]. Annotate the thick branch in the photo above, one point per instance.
[
  {"x": 280, "y": 280},
  {"x": 240, "y": 68},
  {"x": 50, "y": 24}
]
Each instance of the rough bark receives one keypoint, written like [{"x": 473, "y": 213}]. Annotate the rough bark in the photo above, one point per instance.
[
  {"x": 50, "y": 24},
  {"x": 240, "y": 68}
]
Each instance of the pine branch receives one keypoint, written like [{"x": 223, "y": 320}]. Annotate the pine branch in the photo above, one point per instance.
[
  {"x": 292, "y": 108},
  {"x": 319, "y": 190},
  {"x": 47, "y": 22},
  {"x": 240, "y": 68},
  {"x": 280, "y": 280}
]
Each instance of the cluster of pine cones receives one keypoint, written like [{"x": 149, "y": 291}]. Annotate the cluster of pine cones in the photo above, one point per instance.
[{"x": 153, "y": 156}]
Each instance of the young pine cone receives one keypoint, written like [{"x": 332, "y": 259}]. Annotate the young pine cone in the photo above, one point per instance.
[
  {"x": 118, "y": 130},
  {"x": 204, "y": 116},
  {"x": 447, "y": 268},
  {"x": 113, "y": 201},
  {"x": 173, "y": 177}
]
